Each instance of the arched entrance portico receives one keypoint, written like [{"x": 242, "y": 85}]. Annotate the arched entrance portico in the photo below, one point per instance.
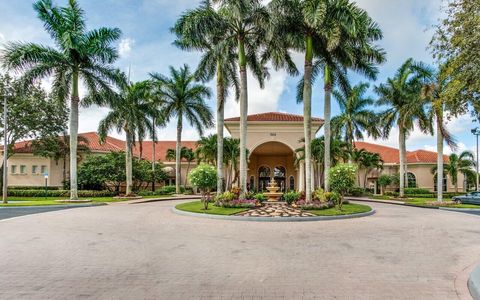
[{"x": 272, "y": 159}]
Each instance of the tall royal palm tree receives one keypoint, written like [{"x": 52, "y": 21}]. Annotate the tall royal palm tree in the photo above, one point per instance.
[
  {"x": 405, "y": 106},
  {"x": 457, "y": 163},
  {"x": 244, "y": 23},
  {"x": 131, "y": 112},
  {"x": 356, "y": 116},
  {"x": 356, "y": 156},
  {"x": 79, "y": 56},
  {"x": 433, "y": 91},
  {"x": 200, "y": 29},
  {"x": 337, "y": 35},
  {"x": 183, "y": 99}
]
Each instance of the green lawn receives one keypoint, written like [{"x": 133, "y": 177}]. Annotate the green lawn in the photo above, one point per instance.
[
  {"x": 348, "y": 209},
  {"x": 431, "y": 202},
  {"x": 197, "y": 207},
  {"x": 44, "y": 201}
]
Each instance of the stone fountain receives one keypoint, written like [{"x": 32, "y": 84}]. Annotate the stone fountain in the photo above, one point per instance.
[{"x": 273, "y": 194}]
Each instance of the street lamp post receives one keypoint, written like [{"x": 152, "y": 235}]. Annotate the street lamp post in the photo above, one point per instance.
[
  {"x": 476, "y": 132},
  {"x": 5, "y": 150}
]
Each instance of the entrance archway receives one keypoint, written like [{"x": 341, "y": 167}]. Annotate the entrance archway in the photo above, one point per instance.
[{"x": 272, "y": 160}]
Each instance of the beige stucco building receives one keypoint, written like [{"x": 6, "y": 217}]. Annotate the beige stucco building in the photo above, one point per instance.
[{"x": 272, "y": 139}]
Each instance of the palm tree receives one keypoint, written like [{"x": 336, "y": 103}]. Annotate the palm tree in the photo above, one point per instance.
[
  {"x": 183, "y": 99},
  {"x": 80, "y": 55},
  {"x": 356, "y": 156},
  {"x": 370, "y": 161},
  {"x": 130, "y": 112},
  {"x": 185, "y": 154},
  {"x": 405, "y": 106},
  {"x": 339, "y": 153},
  {"x": 339, "y": 35},
  {"x": 463, "y": 163},
  {"x": 434, "y": 93},
  {"x": 231, "y": 159},
  {"x": 244, "y": 23},
  {"x": 355, "y": 115},
  {"x": 201, "y": 29},
  {"x": 207, "y": 149}
]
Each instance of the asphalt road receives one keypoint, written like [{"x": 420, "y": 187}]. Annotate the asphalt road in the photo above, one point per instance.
[{"x": 12, "y": 211}]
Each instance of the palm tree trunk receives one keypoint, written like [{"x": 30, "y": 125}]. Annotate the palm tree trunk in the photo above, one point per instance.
[
  {"x": 178, "y": 156},
  {"x": 243, "y": 117},
  {"x": 328, "y": 96},
  {"x": 401, "y": 142},
  {"x": 307, "y": 117},
  {"x": 186, "y": 172},
  {"x": 74, "y": 102},
  {"x": 128, "y": 162},
  {"x": 220, "y": 122},
  {"x": 439, "y": 160}
]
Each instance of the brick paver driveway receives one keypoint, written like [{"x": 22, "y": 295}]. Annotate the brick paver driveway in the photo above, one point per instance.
[{"x": 144, "y": 251}]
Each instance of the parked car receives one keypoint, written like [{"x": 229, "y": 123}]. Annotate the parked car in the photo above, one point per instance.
[{"x": 470, "y": 198}]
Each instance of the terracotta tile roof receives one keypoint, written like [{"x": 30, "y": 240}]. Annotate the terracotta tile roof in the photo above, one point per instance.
[
  {"x": 391, "y": 155},
  {"x": 114, "y": 144},
  {"x": 273, "y": 117},
  {"x": 161, "y": 148}
]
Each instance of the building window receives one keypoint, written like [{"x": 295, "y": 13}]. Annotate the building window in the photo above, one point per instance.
[
  {"x": 435, "y": 183},
  {"x": 292, "y": 183},
  {"x": 252, "y": 183},
  {"x": 279, "y": 175},
  {"x": 23, "y": 169},
  {"x": 14, "y": 169},
  {"x": 263, "y": 178},
  {"x": 411, "y": 180},
  {"x": 43, "y": 169},
  {"x": 34, "y": 169}
]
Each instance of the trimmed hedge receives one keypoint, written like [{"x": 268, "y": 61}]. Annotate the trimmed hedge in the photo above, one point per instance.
[
  {"x": 416, "y": 191},
  {"x": 422, "y": 195},
  {"x": 165, "y": 190},
  {"x": 33, "y": 188},
  {"x": 59, "y": 193}
]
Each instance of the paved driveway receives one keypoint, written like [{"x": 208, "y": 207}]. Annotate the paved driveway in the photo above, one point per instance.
[
  {"x": 17, "y": 211},
  {"x": 144, "y": 251}
]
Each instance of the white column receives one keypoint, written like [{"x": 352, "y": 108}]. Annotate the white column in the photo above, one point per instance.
[{"x": 301, "y": 177}]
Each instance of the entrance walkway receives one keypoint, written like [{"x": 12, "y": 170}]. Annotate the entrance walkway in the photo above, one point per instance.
[{"x": 275, "y": 210}]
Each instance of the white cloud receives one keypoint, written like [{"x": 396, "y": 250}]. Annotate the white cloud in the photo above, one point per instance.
[
  {"x": 260, "y": 100},
  {"x": 2, "y": 37},
  {"x": 125, "y": 47}
]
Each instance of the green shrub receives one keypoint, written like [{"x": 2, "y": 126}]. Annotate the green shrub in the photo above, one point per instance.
[
  {"x": 291, "y": 197},
  {"x": 226, "y": 196},
  {"x": 342, "y": 178},
  {"x": 357, "y": 192},
  {"x": 319, "y": 194},
  {"x": 59, "y": 193},
  {"x": 33, "y": 188},
  {"x": 205, "y": 178},
  {"x": 260, "y": 197},
  {"x": 411, "y": 191}
]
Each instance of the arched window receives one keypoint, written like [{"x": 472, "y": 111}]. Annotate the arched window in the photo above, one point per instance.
[
  {"x": 279, "y": 172},
  {"x": 264, "y": 172},
  {"x": 292, "y": 183},
  {"x": 279, "y": 175},
  {"x": 411, "y": 180},
  {"x": 263, "y": 178},
  {"x": 252, "y": 183}
]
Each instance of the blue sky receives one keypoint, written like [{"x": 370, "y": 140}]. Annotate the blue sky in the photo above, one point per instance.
[{"x": 146, "y": 46}]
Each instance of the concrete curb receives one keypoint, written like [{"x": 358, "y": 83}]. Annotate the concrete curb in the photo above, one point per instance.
[
  {"x": 413, "y": 205},
  {"x": 147, "y": 200},
  {"x": 460, "y": 209},
  {"x": 474, "y": 283},
  {"x": 266, "y": 219}
]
